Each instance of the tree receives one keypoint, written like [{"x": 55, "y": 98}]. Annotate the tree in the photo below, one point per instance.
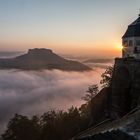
[
  {"x": 60, "y": 125},
  {"x": 21, "y": 128},
  {"x": 106, "y": 77},
  {"x": 86, "y": 109},
  {"x": 91, "y": 92}
]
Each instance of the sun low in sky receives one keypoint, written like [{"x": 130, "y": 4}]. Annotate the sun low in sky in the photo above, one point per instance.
[{"x": 79, "y": 27}]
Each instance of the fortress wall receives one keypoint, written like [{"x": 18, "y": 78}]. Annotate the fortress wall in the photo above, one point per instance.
[{"x": 125, "y": 86}]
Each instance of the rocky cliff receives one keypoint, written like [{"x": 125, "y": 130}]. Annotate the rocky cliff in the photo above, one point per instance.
[
  {"x": 125, "y": 94},
  {"x": 116, "y": 109}
]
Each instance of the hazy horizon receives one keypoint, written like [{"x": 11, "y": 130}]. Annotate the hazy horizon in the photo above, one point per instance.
[
  {"x": 81, "y": 30},
  {"x": 73, "y": 27},
  {"x": 36, "y": 92},
  {"x": 67, "y": 55}
]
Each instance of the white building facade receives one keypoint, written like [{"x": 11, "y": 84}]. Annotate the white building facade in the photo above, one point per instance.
[{"x": 131, "y": 41}]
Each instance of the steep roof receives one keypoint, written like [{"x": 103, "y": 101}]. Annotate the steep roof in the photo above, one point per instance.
[{"x": 133, "y": 29}]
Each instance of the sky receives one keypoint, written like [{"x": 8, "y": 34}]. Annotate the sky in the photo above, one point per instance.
[{"x": 78, "y": 27}]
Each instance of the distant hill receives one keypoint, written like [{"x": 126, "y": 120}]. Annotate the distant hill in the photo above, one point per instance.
[
  {"x": 37, "y": 59},
  {"x": 98, "y": 61},
  {"x": 10, "y": 54}
]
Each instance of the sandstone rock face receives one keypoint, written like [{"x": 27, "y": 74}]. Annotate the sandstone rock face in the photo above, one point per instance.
[
  {"x": 100, "y": 106},
  {"x": 122, "y": 96},
  {"x": 121, "y": 102},
  {"x": 125, "y": 86},
  {"x": 113, "y": 135}
]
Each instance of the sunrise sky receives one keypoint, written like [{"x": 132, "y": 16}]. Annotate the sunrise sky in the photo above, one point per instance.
[{"x": 82, "y": 27}]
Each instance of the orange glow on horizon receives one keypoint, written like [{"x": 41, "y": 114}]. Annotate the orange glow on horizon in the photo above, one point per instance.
[
  {"x": 89, "y": 48},
  {"x": 119, "y": 47}
]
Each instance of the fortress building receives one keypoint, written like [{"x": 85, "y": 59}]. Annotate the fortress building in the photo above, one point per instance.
[
  {"x": 122, "y": 98},
  {"x": 131, "y": 40},
  {"x": 126, "y": 76}
]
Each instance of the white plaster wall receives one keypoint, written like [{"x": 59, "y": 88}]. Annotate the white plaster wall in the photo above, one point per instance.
[{"x": 129, "y": 50}]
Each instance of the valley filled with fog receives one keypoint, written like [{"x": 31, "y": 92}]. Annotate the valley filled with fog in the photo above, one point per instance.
[{"x": 35, "y": 92}]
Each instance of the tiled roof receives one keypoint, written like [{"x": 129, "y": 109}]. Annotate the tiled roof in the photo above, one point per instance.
[{"x": 133, "y": 29}]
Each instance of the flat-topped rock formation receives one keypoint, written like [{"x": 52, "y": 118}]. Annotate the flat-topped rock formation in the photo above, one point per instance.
[{"x": 37, "y": 59}]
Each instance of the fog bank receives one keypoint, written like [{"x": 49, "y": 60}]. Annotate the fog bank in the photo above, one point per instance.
[{"x": 35, "y": 92}]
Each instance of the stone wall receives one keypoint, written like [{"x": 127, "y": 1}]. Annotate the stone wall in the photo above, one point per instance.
[{"x": 125, "y": 88}]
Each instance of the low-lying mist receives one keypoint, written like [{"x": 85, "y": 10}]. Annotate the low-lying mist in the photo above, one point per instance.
[{"x": 35, "y": 92}]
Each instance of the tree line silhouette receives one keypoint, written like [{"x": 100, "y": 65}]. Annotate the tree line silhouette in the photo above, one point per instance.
[{"x": 56, "y": 125}]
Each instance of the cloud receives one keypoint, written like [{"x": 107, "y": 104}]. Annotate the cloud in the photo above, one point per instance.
[{"x": 35, "y": 92}]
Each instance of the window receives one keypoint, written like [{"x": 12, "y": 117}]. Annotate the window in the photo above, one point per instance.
[
  {"x": 125, "y": 43},
  {"x": 130, "y": 43},
  {"x": 138, "y": 42}
]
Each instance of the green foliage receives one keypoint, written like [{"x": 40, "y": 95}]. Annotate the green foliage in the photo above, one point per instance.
[
  {"x": 91, "y": 92},
  {"x": 22, "y": 128},
  {"x": 57, "y": 125},
  {"x": 106, "y": 77},
  {"x": 86, "y": 109},
  {"x": 60, "y": 125},
  {"x": 53, "y": 125}
]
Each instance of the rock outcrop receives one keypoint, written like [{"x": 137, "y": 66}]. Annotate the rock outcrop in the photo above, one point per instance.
[
  {"x": 100, "y": 106},
  {"x": 37, "y": 59},
  {"x": 125, "y": 94},
  {"x": 116, "y": 109},
  {"x": 113, "y": 135}
]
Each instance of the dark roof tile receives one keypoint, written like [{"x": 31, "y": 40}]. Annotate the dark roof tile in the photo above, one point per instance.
[{"x": 133, "y": 29}]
